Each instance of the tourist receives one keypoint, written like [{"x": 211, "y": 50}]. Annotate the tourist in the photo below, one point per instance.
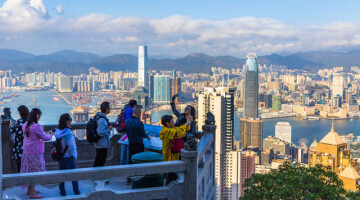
[
  {"x": 103, "y": 130},
  {"x": 167, "y": 134},
  {"x": 136, "y": 132},
  {"x": 67, "y": 138},
  {"x": 124, "y": 148},
  {"x": 16, "y": 130},
  {"x": 33, "y": 150},
  {"x": 182, "y": 118}
]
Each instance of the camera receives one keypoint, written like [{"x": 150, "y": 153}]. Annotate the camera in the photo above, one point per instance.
[{"x": 140, "y": 106}]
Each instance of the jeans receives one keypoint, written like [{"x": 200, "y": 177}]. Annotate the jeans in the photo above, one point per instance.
[
  {"x": 68, "y": 163},
  {"x": 124, "y": 159},
  {"x": 100, "y": 158},
  {"x": 135, "y": 148}
]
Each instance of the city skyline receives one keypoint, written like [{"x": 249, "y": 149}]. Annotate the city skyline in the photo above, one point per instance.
[{"x": 51, "y": 26}]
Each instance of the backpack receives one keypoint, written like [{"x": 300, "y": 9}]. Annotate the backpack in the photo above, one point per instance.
[
  {"x": 57, "y": 151},
  {"x": 177, "y": 144},
  {"x": 91, "y": 126},
  {"x": 120, "y": 121}
]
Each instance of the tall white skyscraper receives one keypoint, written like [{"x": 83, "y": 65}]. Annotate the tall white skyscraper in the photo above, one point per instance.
[
  {"x": 283, "y": 131},
  {"x": 220, "y": 102},
  {"x": 338, "y": 85},
  {"x": 143, "y": 67}
]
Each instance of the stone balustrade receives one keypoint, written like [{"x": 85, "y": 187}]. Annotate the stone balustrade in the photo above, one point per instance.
[{"x": 195, "y": 169}]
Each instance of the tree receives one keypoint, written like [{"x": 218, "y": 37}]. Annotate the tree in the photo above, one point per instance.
[{"x": 295, "y": 182}]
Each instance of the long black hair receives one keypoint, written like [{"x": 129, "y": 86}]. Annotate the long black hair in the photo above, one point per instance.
[
  {"x": 183, "y": 120},
  {"x": 32, "y": 118},
  {"x": 64, "y": 118},
  {"x": 24, "y": 112},
  {"x": 192, "y": 111}
]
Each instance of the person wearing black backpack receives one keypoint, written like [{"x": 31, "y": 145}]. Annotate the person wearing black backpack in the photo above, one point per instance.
[
  {"x": 69, "y": 154},
  {"x": 103, "y": 131},
  {"x": 128, "y": 111}
]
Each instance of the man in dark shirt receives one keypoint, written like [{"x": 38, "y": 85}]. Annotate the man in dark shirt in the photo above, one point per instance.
[{"x": 135, "y": 132}]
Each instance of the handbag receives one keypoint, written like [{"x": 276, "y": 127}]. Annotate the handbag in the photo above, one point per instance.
[{"x": 177, "y": 144}]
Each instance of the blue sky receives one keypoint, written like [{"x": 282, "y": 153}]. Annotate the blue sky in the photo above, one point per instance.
[
  {"x": 178, "y": 28},
  {"x": 303, "y": 12}
]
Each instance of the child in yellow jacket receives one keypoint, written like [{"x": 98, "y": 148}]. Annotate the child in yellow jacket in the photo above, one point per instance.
[{"x": 168, "y": 133}]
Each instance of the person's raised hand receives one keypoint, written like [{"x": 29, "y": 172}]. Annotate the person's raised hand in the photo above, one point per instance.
[{"x": 173, "y": 98}]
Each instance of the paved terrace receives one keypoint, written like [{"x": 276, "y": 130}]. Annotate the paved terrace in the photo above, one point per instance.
[{"x": 195, "y": 173}]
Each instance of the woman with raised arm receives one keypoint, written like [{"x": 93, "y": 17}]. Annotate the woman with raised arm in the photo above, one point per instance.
[
  {"x": 182, "y": 117},
  {"x": 33, "y": 150}
]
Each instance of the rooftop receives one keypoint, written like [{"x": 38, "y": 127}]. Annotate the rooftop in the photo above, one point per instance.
[
  {"x": 332, "y": 138},
  {"x": 350, "y": 172}
]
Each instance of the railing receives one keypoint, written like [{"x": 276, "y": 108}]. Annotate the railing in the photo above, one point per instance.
[{"x": 195, "y": 169}]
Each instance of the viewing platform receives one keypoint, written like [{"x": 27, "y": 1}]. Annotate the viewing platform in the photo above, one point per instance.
[{"x": 195, "y": 171}]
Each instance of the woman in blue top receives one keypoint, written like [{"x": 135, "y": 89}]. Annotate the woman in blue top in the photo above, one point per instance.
[{"x": 67, "y": 138}]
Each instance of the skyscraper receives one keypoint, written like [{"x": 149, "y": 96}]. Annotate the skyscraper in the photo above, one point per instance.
[
  {"x": 338, "y": 86},
  {"x": 251, "y": 87},
  {"x": 175, "y": 85},
  {"x": 220, "y": 102},
  {"x": 247, "y": 168},
  {"x": 66, "y": 84},
  {"x": 283, "y": 131},
  {"x": 162, "y": 89},
  {"x": 142, "y": 67},
  {"x": 250, "y": 124},
  {"x": 251, "y": 132}
]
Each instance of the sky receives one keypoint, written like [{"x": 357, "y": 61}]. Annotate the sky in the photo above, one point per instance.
[{"x": 180, "y": 27}]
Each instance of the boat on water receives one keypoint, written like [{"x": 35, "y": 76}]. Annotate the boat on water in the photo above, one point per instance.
[
  {"x": 8, "y": 100},
  {"x": 36, "y": 106},
  {"x": 2, "y": 102},
  {"x": 34, "y": 100},
  {"x": 56, "y": 99},
  {"x": 312, "y": 118}
]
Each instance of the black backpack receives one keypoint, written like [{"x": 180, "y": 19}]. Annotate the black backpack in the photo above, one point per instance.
[
  {"x": 57, "y": 151},
  {"x": 120, "y": 121},
  {"x": 91, "y": 132}
]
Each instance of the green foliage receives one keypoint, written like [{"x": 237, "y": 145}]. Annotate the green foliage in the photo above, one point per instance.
[
  {"x": 295, "y": 182},
  {"x": 353, "y": 195}
]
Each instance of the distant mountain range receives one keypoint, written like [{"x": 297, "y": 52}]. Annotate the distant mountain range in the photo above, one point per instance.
[{"x": 73, "y": 62}]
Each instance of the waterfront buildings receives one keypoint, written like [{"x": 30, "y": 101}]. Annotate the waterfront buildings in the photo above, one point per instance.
[
  {"x": 65, "y": 83},
  {"x": 279, "y": 147},
  {"x": 283, "y": 131},
  {"x": 220, "y": 102},
  {"x": 143, "y": 67},
  {"x": 162, "y": 89},
  {"x": 276, "y": 102},
  {"x": 141, "y": 95}
]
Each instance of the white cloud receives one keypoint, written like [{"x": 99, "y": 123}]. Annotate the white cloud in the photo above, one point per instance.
[
  {"x": 59, "y": 9},
  {"x": 177, "y": 35}
]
